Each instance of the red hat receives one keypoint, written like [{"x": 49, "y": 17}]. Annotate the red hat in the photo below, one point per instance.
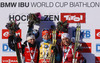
[{"x": 44, "y": 32}]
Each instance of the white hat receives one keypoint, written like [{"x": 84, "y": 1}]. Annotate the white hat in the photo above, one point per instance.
[
  {"x": 65, "y": 35},
  {"x": 30, "y": 37}
]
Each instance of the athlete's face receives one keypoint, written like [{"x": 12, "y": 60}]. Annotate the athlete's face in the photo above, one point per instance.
[
  {"x": 46, "y": 36},
  {"x": 65, "y": 41},
  {"x": 31, "y": 41}
]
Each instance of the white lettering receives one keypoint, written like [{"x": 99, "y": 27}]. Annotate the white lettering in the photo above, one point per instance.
[{"x": 75, "y": 18}]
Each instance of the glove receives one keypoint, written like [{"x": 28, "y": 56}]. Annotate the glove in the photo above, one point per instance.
[
  {"x": 17, "y": 39},
  {"x": 84, "y": 61},
  {"x": 33, "y": 32},
  {"x": 11, "y": 32},
  {"x": 79, "y": 48},
  {"x": 54, "y": 49},
  {"x": 36, "y": 33}
]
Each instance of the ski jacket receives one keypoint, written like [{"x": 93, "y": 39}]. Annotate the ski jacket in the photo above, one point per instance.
[
  {"x": 29, "y": 51},
  {"x": 67, "y": 54},
  {"x": 31, "y": 54}
]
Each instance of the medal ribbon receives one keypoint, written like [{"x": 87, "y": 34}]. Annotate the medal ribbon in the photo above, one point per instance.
[
  {"x": 45, "y": 55},
  {"x": 66, "y": 53},
  {"x": 32, "y": 57}
]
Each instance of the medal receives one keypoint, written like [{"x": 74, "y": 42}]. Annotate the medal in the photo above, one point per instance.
[
  {"x": 65, "y": 51},
  {"x": 31, "y": 51},
  {"x": 32, "y": 61},
  {"x": 46, "y": 46}
]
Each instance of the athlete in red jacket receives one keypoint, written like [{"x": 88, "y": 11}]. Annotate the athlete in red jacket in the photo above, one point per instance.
[
  {"x": 29, "y": 48},
  {"x": 68, "y": 51}
]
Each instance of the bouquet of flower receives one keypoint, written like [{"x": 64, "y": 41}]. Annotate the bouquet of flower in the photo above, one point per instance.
[
  {"x": 34, "y": 19},
  {"x": 62, "y": 26},
  {"x": 12, "y": 26}
]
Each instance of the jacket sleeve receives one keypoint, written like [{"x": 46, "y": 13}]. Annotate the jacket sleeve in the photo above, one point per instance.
[
  {"x": 11, "y": 43},
  {"x": 23, "y": 47},
  {"x": 80, "y": 57},
  {"x": 58, "y": 53}
]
